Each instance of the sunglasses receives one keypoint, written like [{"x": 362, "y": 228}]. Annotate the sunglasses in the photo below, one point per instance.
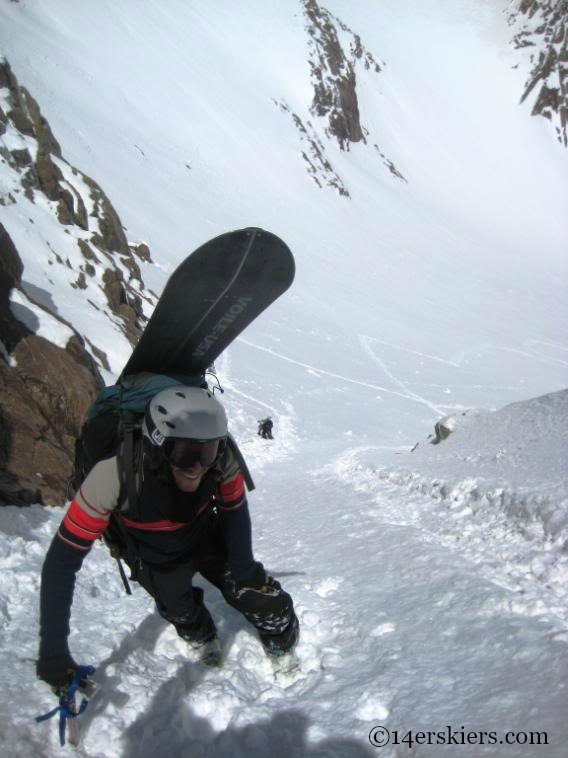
[{"x": 185, "y": 454}]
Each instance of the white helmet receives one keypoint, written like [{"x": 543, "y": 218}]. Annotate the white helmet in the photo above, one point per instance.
[{"x": 188, "y": 424}]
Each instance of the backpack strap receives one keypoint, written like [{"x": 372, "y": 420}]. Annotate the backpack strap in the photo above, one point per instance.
[
  {"x": 117, "y": 543},
  {"x": 122, "y": 547},
  {"x": 239, "y": 457},
  {"x": 129, "y": 458},
  {"x": 129, "y": 463}
]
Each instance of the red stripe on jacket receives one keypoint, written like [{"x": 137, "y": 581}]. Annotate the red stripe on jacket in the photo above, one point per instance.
[
  {"x": 82, "y": 525},
  {"x": 234, "y": 491},
  {"x": 74, "y": 545},
  {"x": 158, "y": 526}
]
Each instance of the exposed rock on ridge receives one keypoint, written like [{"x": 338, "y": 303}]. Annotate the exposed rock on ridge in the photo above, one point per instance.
[
  {"x": 314, "y": 155},
  {"x": 104, "y": 260},
  {"x": 544, "y": 29},
  {"x": 333, "y": 77},
  {"x": 336, "y": 55}
]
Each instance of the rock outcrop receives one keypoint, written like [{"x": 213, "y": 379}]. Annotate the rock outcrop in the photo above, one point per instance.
[
  {"x": 104, "y": 258},
  {"x": 45, "y": 391},
  {"x": 64, "y": 257},
  {"x": 333, "y": 77},
  {"x": 336, "y": 56},
  {"x": 543, "y": 30}
]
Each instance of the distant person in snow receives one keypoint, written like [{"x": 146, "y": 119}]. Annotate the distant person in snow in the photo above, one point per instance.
[
  {"x": 192, "y": 517},
  {"x": 265, "y": 428}
]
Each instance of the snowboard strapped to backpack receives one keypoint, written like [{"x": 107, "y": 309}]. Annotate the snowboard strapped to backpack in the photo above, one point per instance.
[{"x": 210, "y": 298}]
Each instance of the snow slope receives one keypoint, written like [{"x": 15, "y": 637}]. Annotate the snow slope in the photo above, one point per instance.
[
  {"x": 430, "y": 585},
  {"x": 417, "y": 611}
]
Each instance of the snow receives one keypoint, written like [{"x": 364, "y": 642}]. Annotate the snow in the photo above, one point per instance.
[
  {"x": 430, "y": 585},
  {"x": 417, "y": 610},
  {"x": 39, "y": 321}
]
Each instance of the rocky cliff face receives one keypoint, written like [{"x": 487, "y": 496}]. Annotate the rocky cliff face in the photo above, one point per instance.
[
  {"x": 63, "y": 253},
  {"x": 336, "y": 57},
  {"x": 542, "y": 28},
  {"x": 333, "y": 75},
  {"x": 96, "y": 256},
  {"x": 45, "y": 391}
]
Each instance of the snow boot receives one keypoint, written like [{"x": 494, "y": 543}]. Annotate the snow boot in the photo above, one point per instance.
[{"x": 278, "y": 645}]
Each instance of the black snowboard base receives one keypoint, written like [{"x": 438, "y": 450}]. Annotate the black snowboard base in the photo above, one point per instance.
[{"x": 210, "y": 299}]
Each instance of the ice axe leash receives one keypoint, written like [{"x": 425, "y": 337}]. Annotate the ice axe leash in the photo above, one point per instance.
[{"x": 66, "y": 708}]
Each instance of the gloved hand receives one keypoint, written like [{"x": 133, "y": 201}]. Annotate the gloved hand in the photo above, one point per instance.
[
  {"x": 255, "y": 578},
  {"x": 57, "y": 671}
]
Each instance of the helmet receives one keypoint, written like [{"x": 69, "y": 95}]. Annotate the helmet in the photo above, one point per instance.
[{"x": 187, "y": 424}]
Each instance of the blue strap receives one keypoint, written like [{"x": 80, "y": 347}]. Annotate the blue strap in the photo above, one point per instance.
[{"x": 66, "y": 702}]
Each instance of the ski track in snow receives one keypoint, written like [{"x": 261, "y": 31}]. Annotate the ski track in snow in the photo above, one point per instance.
[
  {"x": 367, "y": 348},
  {"x": 460, "y": 357},
  {"x": 323, "y": 372},
  {"x": 366, "y": 343}
]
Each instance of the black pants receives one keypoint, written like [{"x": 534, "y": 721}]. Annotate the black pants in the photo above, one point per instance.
[{"x": 271, "y": 611}]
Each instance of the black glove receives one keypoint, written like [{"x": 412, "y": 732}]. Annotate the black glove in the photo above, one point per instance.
[
  {"x": 255, "y": 579},
  {"x": 57, "y": 670}
]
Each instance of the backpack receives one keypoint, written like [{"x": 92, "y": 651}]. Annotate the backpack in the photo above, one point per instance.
[{"x": 113, "y": 427}]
